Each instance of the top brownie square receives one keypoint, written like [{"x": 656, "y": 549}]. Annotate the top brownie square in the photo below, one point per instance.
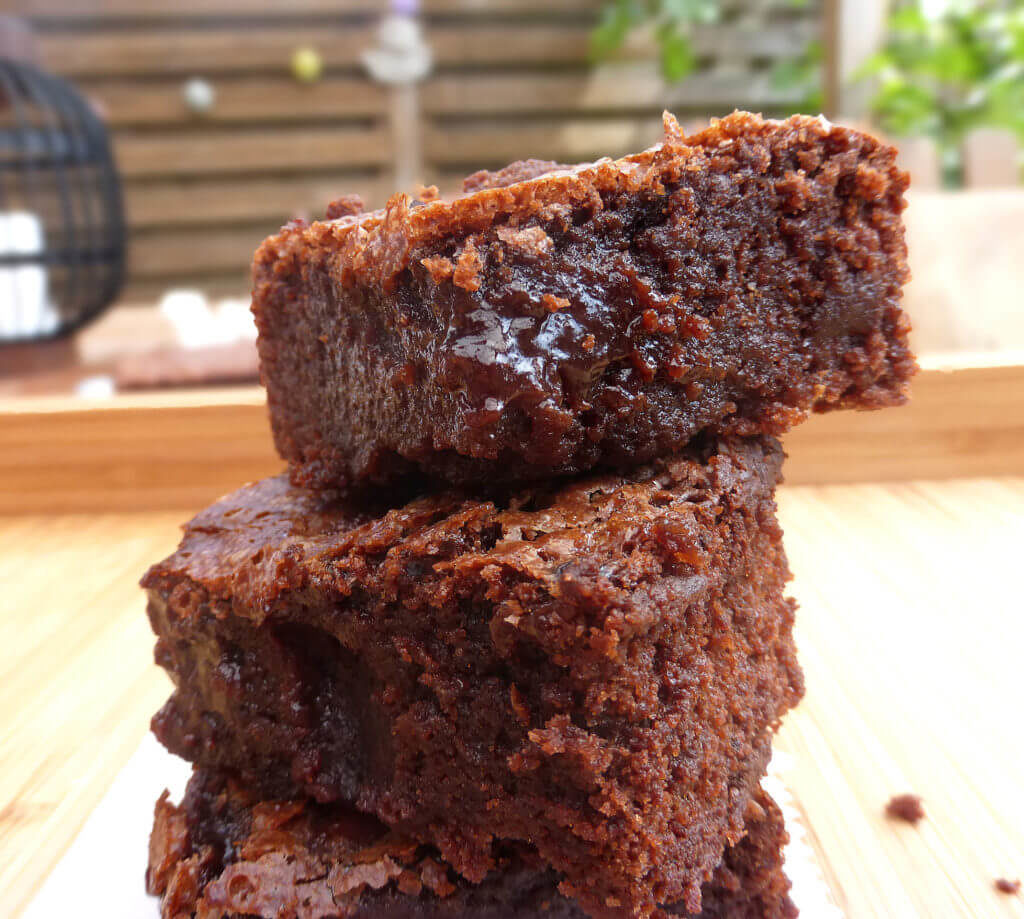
[{"x": 555, "y": 319}]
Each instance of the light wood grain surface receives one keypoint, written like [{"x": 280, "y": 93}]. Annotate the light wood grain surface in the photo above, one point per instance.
[
  {"x": 182, "y": 449},
  {"x": 910, "y": 630}
]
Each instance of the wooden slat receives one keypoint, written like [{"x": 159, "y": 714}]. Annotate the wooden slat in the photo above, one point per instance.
[
  {"x": 266, "y": 130},
  {"x": 762, "y": 40},
  {"x": 65, "y": 12},
  {"x": 179, "y": 452},
  {"x": 478, "y": 145},
  {"x": 255, "y": 99},
  {"x": 455, "y": 44},
  {"x": 183, "y": 449},
  {"x": 281, "y": 99},
  {"x": 250, "y": 151},
  {"x": 505, "y": 7},
  {"x": 243, "y": 100},
  {"x": 145, "y": 292},
  {"x": 263, "y": 49},
  {"x": 195, "y": 251},
  {"x": 61, "y": 11},
  {"x": 609, "y": 88},
  {"x": 72, "y": 10},
  {"x": 961, "y": 420},
  {"x": 225, "y": 200},
  {"x": 188, "y": 52},
  {"x": 557, "y": 43}
]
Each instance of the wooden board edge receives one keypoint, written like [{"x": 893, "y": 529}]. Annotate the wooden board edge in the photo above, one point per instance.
[{"x": 183, "y": 449}]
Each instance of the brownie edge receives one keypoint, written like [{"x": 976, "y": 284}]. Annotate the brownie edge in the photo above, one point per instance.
[
  {"x": 594, "y": 316},
  {"x": 225, "y": 854}
]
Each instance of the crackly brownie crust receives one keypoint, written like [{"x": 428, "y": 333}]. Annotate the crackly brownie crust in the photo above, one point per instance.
[
  {"x": 547, "y": 323},
  {"x": 594, "y": 667},
  {"x": 225, "y": 853}
]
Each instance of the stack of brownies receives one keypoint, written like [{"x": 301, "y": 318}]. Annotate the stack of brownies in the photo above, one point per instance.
[{"x": 511, "y": 637}]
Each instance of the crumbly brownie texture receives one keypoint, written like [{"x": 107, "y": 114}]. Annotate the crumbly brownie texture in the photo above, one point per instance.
[
  {"x": 225, "y": 853},
  {"x": 593, "y": 316},
  {"x": 907, "y": 808},
  {"x": 594, "y": 668},
  {"x": 521, "y": 171}
]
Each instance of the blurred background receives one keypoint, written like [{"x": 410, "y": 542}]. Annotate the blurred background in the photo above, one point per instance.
[{"x": 146, "y": 148}]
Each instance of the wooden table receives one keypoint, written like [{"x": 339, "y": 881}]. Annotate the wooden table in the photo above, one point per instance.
[{"x": 911, "y": 631}]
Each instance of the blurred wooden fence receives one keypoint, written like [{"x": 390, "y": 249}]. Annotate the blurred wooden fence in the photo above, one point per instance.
[{"x": 511, "y": 78}]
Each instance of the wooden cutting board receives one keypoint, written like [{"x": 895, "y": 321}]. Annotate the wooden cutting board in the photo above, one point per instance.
[
  {"x": 911, "y": 630},
  {"x": 181, "y": 449}
]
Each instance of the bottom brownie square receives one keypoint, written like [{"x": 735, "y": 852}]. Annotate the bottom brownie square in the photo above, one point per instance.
[
  {"x": 593, "y": 668},
  {"x": 224, "y": 853}
]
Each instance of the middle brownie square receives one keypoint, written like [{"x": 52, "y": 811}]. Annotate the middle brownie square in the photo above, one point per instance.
[{"x": 592, "y": 668}]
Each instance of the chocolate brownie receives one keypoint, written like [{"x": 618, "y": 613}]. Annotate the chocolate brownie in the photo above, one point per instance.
[
  {"x": 224, "y": 852},
  {"x": 550, "y": 322},
  {"x": 594, "y": 668}
]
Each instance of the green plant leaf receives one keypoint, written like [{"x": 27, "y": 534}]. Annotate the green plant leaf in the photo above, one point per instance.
[
  {"x": 904, "y": 109},
  {"x": 688, "y": 12},
  {"x": 677, "y": 57},
  {"x": 909, "y": 19},
  {"x": 948, "y": 74},
  {"x": 673, "y": 21},
  {"x": 615, "y": 23},
  {"x": 803, "y": 75}
]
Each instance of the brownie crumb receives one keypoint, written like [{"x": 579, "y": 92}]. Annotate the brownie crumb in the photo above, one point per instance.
[
  {"x": 1003, "y": 885},
  {"x": 427, "y": 193},
  {"x": 905, "y": 807},
  {"x": 345, "y": 206},
  {"x": 520, "y": 171}
]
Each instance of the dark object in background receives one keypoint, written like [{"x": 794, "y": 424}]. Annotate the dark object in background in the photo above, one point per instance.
[
  {"x": 905, "y": 807},
  {"x": 1004, "y": 885},
  {"x": 62, "y": 234}
]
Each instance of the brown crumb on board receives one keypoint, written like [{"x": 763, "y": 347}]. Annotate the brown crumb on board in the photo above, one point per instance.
[
  {"x": 1003, "y": 885},
  {"x": 905, "y": 807}
]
